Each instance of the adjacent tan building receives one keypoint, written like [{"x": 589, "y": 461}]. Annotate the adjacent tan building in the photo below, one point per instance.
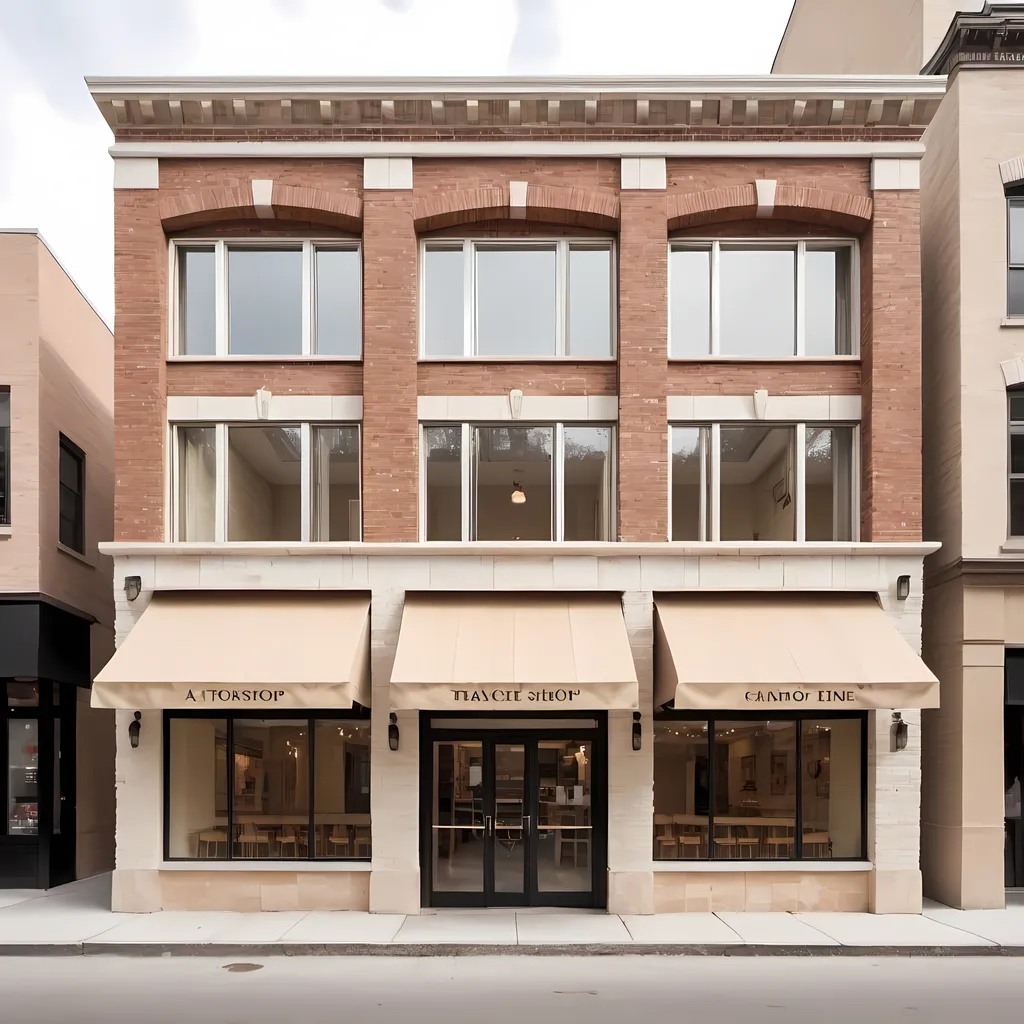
[
  {"x": 972, "y": 238},
  {"x": 56, "y": 607}
]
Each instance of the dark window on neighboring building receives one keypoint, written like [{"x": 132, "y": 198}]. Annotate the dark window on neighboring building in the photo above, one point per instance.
[
  {"x": 72, "y": 496},
  {"x": 5, "y": 458},
  {"x": 1016, "y": 464},
  {"x": 1015, "y": 251}
]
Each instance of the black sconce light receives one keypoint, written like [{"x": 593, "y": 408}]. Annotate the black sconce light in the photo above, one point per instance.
[
  {"x": 393, "y": 731},
  {"x": 132, "y": 587},
  {"x": 636, "y": 730},
  {"x": 902, "y": 588},
  {"x": 900, "y": 731},
  {"x": 134, "y": 728}
]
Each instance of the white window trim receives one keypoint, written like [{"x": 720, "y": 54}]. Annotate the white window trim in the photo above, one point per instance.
[
  {"x": 778, "y": 408},
  {"x": 800, "y": 246},
  {"x": 283, "y": 408},
  {"x": 308, "y": 246},
  {"x": 535, "y": 408},
  {"x": 469, "y": 245},
  {"x": 710, "y": 513},
  {"x": 557, "y": 475},
  {"x": 220, "y": 521}
]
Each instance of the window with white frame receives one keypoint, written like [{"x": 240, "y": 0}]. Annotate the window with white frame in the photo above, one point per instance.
[
  {"x": 540, "y": 481},
  {"x": 762, "y": 300},
  {"x": 1015, "y": 251},
  {"x": 532, "y": 299},
  {"x": 763, "y": 482},
  {"x": 260, "y": 298},
  {"x": 266, "y": 482}
]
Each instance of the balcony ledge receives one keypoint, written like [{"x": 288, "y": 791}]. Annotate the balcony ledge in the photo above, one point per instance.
[{"x": 548, "y": 549}]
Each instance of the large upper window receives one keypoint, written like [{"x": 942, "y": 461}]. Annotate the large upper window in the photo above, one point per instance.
[
  {"x": 1016, "y": 465},
  {"x": 1015, "y": 253},
  {"x": 259, "y": 482},
  {"x": 244, "y": 788},
  {"x": 760, "y": 481},
  {"x": 511, "y": 299},
  {"x": 249, "y": 299},
  {"x": 761, "y": 300},
  {"x": 524, "y": 482},
  {"x": 743, "y": 788},
  {"x": 72, "y": 496},
  {"x": 5, "y": 458}
]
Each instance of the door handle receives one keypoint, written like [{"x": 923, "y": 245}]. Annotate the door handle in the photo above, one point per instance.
[
  {"x": 488, "y": 825},
  {"x": 526, "y": 825}
]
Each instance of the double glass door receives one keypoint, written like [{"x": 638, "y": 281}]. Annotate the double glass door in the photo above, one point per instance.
[{"x": 516, "y": 821}]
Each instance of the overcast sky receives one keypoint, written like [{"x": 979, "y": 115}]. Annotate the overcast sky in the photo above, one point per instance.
[{"x": 55, "y": 174}]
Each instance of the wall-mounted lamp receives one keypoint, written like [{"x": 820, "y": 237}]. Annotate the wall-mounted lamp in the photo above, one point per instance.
[
  {"x": 132, "y": 587},
  {"x": 518, "y": 494},
  {"x": 902, "y": 588},
  {"x": 900, "y": 730},
  {"x": 134, "y": 728},
  {"x": 393, "y": 735},
  {"x": 637, "y": 738}
]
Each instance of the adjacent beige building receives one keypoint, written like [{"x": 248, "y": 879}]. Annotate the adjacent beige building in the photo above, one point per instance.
[
  {"x": 56, "y": 606},
  {"x": 972, "y": 848}
]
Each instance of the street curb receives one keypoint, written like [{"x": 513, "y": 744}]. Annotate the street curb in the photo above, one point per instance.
[{"x": 262, "y": 950}]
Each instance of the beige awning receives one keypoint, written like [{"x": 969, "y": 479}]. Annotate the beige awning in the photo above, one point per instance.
[
  {"x": 242, "y": 650},
  {"x": 513, "y": 652},
  {"x": 733, "y": 652}
]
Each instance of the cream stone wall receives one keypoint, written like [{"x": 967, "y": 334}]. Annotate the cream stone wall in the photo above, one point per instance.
[{"x": 638, "y": 572}]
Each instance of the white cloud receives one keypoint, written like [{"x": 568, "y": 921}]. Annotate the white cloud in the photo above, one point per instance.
[{"x": 55, "y": 174}]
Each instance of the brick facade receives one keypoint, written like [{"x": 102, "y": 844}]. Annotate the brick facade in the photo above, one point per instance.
[{"x": 566, "y": 190}]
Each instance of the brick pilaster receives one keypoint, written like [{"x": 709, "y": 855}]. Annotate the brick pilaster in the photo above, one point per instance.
[
  {"x": 390, "y": 435},
  {"x": 891, "y": 352},
  {"x": 140, "y": 340},
  {"x": 643, "y": 367}
]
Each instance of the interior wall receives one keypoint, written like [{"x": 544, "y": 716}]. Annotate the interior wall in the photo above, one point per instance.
[
  {"x": 192, "y": 794},
  {"x": 250, "y": 502},
  {"x": 444, "y": 513},
  {"x": 286, "y": 506},
  {"x": 498, "y": 519}
]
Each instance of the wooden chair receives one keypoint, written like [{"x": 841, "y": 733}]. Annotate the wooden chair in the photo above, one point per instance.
[
  {"x": 253, "y": 842},
  {"x": 665, "y": 841},
  {"x": 570, "y": 837},
  {"x": 338, "y": 841},
  {"x": 779, "y": 842},
  {"x": 208, "y": 837},
  {"x": 289, "y": 841},
  {"x": 364, "y": 847},
  {"x": 725, "y": 841},
  {"x": 817, "y": 844},
  {"x": 748, "y": 843}
]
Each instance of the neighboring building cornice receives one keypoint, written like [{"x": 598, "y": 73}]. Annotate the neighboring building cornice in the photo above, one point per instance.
[
  {"x": 991, "y": 38},
  {"x": 465, "y": 106},
  {"x": 978, "y": 572}
]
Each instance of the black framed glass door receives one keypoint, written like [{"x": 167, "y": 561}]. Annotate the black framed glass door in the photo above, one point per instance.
[{"x": 514, "y": 819}]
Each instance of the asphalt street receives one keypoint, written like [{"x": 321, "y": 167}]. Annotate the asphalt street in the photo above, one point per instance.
[{"x": 502, "y": 990}]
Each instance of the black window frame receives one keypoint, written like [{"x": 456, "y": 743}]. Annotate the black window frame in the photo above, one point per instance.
[
  {"x": 1014, "y": 427},
  {"x": 1014, "y": 198},
  {"x": 76, "y": 540},
  {"x": 231, "y": 716},
  {"x": 5, "y": 460},
  {"x": 710, "y": 717}
]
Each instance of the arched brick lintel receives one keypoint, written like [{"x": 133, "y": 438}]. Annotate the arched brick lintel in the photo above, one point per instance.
[
  {"x": 793, "y": 203},
  {"x": 550, "y": 204},
  {"x": 340, "y": 210}
]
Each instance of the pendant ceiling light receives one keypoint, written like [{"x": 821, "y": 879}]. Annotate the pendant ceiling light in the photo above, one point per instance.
[{"x": 518, "y": 494}]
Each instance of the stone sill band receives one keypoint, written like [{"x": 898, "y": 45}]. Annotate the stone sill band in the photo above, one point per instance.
[{"x": 750, "y": 867}]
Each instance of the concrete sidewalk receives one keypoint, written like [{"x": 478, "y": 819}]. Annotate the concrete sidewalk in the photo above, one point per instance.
[{"x": 73, "y": 919}]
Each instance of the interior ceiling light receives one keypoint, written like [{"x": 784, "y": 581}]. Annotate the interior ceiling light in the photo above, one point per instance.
[{"x": 518, "y": 494}]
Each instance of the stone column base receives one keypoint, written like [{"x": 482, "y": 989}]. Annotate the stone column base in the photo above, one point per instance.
[
  {"x": 135, "y": 891},
  {"x": 394, "y": 892},
  {"x": 630, "y": 892},
  {"x": 895, "y": 892}
]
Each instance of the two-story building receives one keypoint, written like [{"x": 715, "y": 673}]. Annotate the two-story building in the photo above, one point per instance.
[
  {"x": 56, "y": 605},
  {"x": 973, "y": 244},
  {"x": 518, "y": 493}
]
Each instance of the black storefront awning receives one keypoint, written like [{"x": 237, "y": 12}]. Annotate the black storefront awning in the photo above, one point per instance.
[{"x": 39, "y": 640}]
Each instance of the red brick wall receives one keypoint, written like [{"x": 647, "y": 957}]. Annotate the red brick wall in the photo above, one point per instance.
[
  {"x": 391, "y": 378},
  {"x": 643, "y": 365},
  {"x": 140, "y": 346},
  {"x": 891, "y": 353},
  {"x": 390, "y": 424}
]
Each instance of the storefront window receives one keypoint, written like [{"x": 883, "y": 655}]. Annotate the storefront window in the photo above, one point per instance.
[
  {"x": 277, "y": 788},
  {"x": 783, "y": 788},
  {"x": 23, "y": 777},
  {"x": 23, "y": 695}
]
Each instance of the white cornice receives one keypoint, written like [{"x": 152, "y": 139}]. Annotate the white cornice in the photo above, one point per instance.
[
  {"x": 769, "y": 86},
  {"x": 318, "y": 149}
]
